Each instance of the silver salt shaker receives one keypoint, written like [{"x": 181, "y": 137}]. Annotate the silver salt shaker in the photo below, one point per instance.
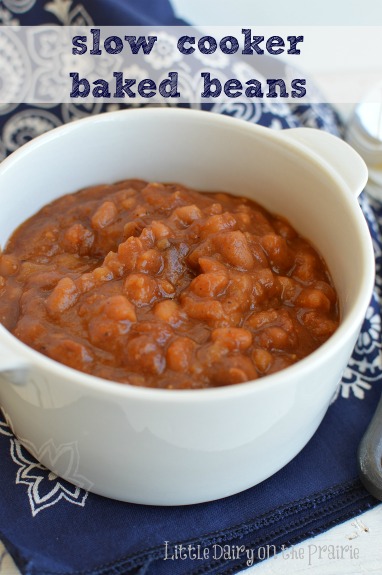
[{"x": 364, "y": 133}]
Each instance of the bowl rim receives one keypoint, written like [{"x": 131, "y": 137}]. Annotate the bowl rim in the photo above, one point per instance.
[{"x": 303, "y": 367}]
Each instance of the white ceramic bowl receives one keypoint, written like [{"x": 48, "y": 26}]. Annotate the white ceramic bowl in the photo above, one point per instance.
[{"x": 179, "y": 447}]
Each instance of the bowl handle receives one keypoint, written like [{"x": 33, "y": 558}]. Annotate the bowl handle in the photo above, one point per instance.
[
  {"x": 11, "y": 362},
  {"x": 338, "y": 154}
]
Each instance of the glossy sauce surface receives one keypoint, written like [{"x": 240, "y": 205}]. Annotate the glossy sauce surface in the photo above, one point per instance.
[{"x": 158, "y": 285}]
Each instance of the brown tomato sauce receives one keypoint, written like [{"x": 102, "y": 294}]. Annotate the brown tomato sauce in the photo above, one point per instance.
[{"x": 159, "y": 285}]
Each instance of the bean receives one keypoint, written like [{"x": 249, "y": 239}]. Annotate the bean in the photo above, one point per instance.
[
  {"x": 279, "y": 254},
  {"x": 211, "y": 265},
  {"x": 187, "y": 214},
  {"x": 209, "y": 284},
  {"x": 234, "y": 248},
  {"x": 129, "y": 203},
  {"x": 147, "y": 238},
  {"x": 153, "y": 195},
  {"x": 284, "y": 229},
  {"x": 133, "y": 228},
  {"x": 256, "y": 250},
  {"x": 319, "y": 325},
  {"x": 66, "y": 261},
  {"x": 105, "y": 332},
  {"x": 113, "y": 263},
  {"x": 78, "y": 239},
  {"x": 313, "y": 298},
  {"x": 204, "y": 249},
  {"x": 159, "y": 331},
  {"x": 160, "y": 230},
  {"x": 102, "y": 274},
  {"x": 30, "y": 329},
  {"x": 214, "y": 209},
  {"x": 204, "y": 310},
  {"x": 141, "y": 289},
  {"x": 238, "y": 293},
  {"x": 119, "y": 308},
  {"x": 9, "y": 265},
  {"x": 165, "y": 287},
  {"x": 129, "y": 251},
  {"x": 44, "y": 280},
  {"x": 63, "y": 297},
  {"x": 150, "y": 262},
  {"x": 85, "y": 283},
  {"x": 180, "y": 353},
  {"x": 261, "y": 319},
  {"x": 290, "y": 289},
  {"x": 104, "y": 215},
  {"x": 140, "y": 211},
  {"x": 306, "y": 266},
  {"x": 72, "y": 353},
  {"x": 274, "y": 338},
  {"x": 169, "y": 312},
  {"x": 243, "y": 221},
  {"x": 262, "y": 359},
  {"x": 327, "y": 290},
  {"x": 217, "y": 223},
  {"x": 232, "y": 370},
  {"x": 143, "y": 354},
  {"x": 163, "y": 244},
  {"x": 210, "y": 354},
  {"x": 232, "y": 337}
]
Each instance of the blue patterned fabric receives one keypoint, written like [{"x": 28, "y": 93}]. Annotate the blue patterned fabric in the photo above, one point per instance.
[{"x": 53, "y": 528}]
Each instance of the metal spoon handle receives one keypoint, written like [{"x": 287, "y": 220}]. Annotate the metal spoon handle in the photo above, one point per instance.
[{"x": 370, "y": 455}]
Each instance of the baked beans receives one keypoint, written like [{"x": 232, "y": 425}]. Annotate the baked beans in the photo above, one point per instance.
[{"x": 158, "y": 285}]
